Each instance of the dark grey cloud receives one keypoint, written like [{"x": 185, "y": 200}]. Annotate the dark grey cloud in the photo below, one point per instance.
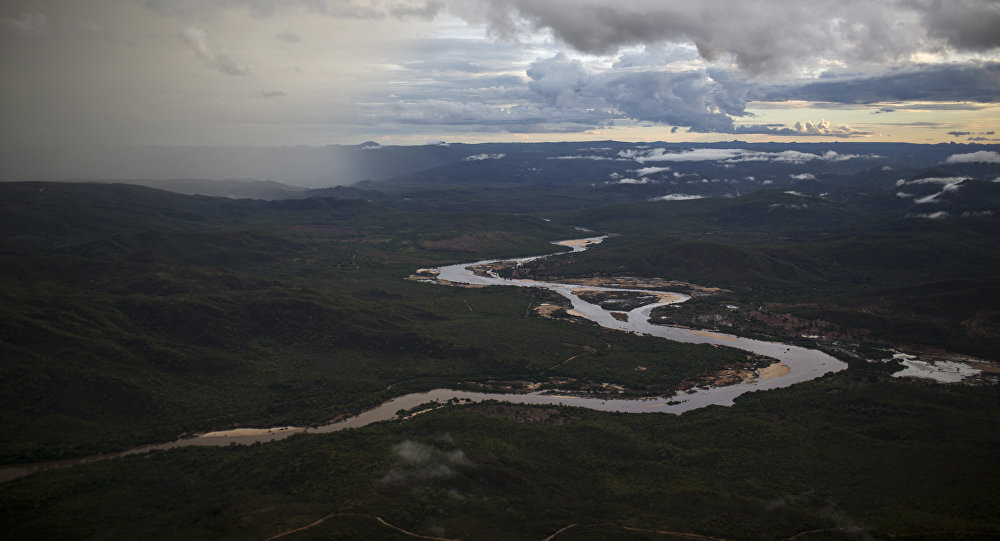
[
  {"x": 961, "y": 81},
  {"x": 762, "y": 36},
  {"x": 662, "y": 83},
  {"x": 970, "y": 25},
  {"x": 977, "y": 136},
  {"x": 563, "y": 94},
  {"x": 407, "y": 66}
]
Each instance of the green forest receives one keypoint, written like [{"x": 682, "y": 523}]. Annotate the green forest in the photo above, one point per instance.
[{"x": 132, "y": 315}]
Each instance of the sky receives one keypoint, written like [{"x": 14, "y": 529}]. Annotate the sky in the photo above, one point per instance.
[{"x": 81, "y": 73}]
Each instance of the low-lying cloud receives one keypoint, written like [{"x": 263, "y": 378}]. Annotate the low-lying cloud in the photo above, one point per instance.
[
  {"x": 481, "y": 157},
  {"x": 735, "y": 155},
  {"x": 626, "y": 180},
  {"x": 677, "y": 197},
  {"x": 948, "y": 184},
  {"x": 646, "y": 171},
  {"x": 945, "y": 181},
  {"x": 982, "y": 156},
  {"x": 594, "y": 157},
  {"x": 419, "y": 461},
  {"x": 939, "y": 215}
]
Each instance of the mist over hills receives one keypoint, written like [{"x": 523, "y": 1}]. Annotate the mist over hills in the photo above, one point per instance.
[
  {"x": 503, "y": 163},
  {"x": 930, "y": 181}
]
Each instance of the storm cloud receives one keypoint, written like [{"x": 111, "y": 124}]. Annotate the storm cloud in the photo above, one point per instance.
[
  {"x": 962, "y": 81},
  {"x": 690, "y": 98},
  {"x": 761, "y": 36},
  {"x": 264, "y": 72}
]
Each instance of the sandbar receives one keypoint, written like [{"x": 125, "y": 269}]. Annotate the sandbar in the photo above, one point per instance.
[
  {"x": 248, "y": 432},
  {"x": 714, "y": 335},
  {"x": 775, "y": 370},
  {"x": 576, "y": 242}
]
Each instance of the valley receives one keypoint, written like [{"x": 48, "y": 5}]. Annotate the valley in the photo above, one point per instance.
[{"x": 491, "y": 403}]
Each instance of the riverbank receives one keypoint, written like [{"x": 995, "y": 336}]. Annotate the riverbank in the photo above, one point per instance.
[{"x": 716, "y": 389}]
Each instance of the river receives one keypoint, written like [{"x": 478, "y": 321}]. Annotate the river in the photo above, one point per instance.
[{"x": 803, "y": 364}]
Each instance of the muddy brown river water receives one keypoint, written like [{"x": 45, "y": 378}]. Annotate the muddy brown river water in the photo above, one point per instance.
[{"x": 798, "y": 364}]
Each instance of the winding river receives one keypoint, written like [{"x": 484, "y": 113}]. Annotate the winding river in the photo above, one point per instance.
[{"x": 803, "y": 365}]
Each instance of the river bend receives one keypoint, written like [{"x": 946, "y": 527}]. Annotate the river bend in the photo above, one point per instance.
[{"x": 803, "y": 365}]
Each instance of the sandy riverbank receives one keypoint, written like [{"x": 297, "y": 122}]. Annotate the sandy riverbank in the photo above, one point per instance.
[
  {"x": 775, "y": 370},
  {"x": 248, "y": 432},
  {"x": 707, "y": 334}
]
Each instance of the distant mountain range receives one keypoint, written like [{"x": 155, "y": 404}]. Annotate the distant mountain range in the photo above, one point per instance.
[{"x": 602, "y": 163}]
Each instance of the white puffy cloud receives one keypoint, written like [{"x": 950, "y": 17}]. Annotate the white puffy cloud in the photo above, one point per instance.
[
  {"x": 982, "y": 156},
  {"x": 825, "y": 128}
]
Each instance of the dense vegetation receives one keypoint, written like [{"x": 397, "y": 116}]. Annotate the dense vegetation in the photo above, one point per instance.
[
  {"x": 903, "y": 281},
  {"x": 851, "y": 456},
  {"x": 130, "y": 315}
]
